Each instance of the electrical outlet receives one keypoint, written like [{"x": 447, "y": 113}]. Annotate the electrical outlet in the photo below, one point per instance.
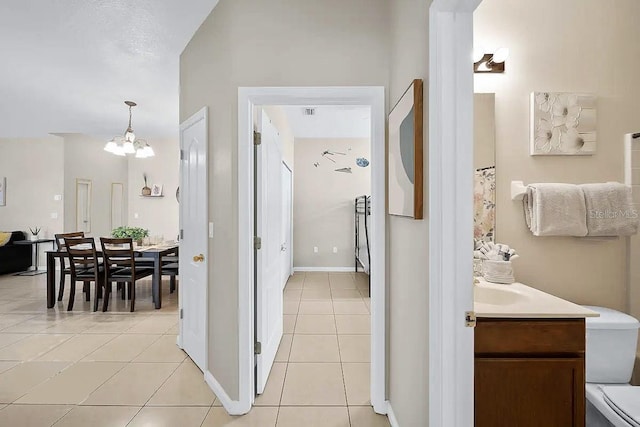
[
  {"x": 335, "y": 249},
  {"x": 136, "y": 216},
  {"x": 54, "y": 215},
  {"x": 57, "y": 197},
  {"x": 315, "y": 249}
]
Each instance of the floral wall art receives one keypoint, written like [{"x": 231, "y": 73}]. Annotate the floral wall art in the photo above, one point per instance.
[
  {"x": 563, "y": 123},
  {"x": 484, "y": 204}
]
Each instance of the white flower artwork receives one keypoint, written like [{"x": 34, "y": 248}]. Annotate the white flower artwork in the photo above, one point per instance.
[{"x": 563, "y": 124}]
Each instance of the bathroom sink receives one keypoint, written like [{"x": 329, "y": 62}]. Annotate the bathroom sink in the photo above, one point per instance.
[{"x": 494, "y": 296}]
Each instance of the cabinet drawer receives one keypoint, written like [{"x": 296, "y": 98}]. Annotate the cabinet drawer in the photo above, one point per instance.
[{"x": 529, "y": 336}]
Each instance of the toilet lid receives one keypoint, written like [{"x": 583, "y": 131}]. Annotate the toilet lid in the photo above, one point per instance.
[{"x": 625, "y": 401}]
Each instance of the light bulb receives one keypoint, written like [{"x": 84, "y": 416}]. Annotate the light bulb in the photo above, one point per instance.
[
  {"x": 119, "y": 150},
  {"x": 478, "y": 53},
  {"x": 129, "y": 136},
  {"x": 149, "y": 151},
  {"x": 111, "y": 146},
  {"x": 140, "y": 153},
  {"x": 501, "y": 55},
  {"x": 128, "y": 148}
]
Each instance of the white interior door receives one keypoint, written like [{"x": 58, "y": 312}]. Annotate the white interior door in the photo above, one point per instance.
[
  {"x": 287, "y": 222},
  {"x": 194, "y": 242},
  {"x": 83, "y": 205},
  {"x": 268, "y": 258}
]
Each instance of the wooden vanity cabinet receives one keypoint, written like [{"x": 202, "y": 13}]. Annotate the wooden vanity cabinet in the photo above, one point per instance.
[{"x": 529, "y": 373}]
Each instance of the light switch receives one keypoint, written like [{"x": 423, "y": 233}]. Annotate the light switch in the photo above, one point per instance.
[
  {"x": 54, "y": 215},
  {"x": 315, "y": 249},
  {"x": 335, "y": 249},
  {"x": 136, "y": 216},
  {"x": 57, "y": 197},
  {"x": 211, "y": 230}
]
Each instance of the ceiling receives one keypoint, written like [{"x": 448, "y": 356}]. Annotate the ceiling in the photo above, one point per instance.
[
  {"x": 68, "y": 65},
  {"x": 330, "y": 121}
]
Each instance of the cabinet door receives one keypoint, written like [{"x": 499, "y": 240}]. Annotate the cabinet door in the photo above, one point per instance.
[{"x": 532, "y": 392}]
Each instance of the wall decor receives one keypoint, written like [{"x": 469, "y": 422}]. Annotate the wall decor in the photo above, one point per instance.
[
  {"x": 563, "y": 124},
  {"x": 484, "y": 204},
  {"x": 3, "y": 191},
  {"x": 362, "y": 162},
  {"x": 344, "y": 170},
  {"x": 405, "y": 179},
  {"x": 156, "y": 190}
]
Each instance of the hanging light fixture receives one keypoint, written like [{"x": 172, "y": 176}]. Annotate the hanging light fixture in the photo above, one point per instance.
[{"x": 128, "y": 144}]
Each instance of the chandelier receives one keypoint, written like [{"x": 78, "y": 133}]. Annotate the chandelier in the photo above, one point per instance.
[{"x": 128, "y": 144}]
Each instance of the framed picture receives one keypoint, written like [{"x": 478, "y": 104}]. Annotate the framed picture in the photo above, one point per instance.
[
  {"x": 3, "y": 191},
  {"x": 405, "y": 179},
  {"x": 156, "y": 190},
  {"x": 563, "y": 124}
]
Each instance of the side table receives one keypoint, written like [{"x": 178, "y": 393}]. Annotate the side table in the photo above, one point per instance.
[{"x": 36, "y": 271}]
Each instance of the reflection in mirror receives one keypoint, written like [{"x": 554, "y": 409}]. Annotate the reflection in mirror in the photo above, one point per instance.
[
  {"x": 484, "y": 220},
  {"x": 83, "y": 205},
  {"x": 117, "y": 205}
]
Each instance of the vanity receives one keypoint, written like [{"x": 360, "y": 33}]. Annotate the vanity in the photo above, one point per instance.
[{"x": 529, "y": 358}]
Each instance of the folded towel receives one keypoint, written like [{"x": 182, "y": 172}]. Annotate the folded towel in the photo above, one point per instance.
[
  {"x": 610, "y": 210},
  {"x": 555, "y": 210}
]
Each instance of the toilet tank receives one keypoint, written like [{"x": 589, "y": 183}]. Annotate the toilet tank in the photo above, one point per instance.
[{"x": 611, "y": 346}]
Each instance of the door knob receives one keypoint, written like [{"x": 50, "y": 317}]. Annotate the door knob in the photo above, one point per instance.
[
  {"x": 198, "y": 258},
  {"x": 283, "y": 248}
]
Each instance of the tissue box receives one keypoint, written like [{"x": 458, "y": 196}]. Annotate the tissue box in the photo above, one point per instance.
[{"x": 498, "y": 271}]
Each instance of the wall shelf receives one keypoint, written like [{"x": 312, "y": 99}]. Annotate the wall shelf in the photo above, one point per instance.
[{"x": 151, "y": 197}]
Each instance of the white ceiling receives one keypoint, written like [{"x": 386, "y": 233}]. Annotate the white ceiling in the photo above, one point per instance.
[
  {"x": 330, "y": 121},
  {"x": 68, "y": 65}
]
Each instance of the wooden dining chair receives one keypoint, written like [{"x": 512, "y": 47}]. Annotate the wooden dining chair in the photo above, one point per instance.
[
  {"x": 64, "y": 269},
  {"x": 171, "y": 270},
  {"x": 84, "y": 266},
  {"x": 121, "y": 267}
]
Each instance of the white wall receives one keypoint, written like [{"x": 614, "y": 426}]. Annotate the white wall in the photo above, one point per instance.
[
  {"x": 33, "y": 168},
  {"x": 85, "y": 158},
  {"x": 159, "y": 215},
  {"x": 323, "y": 209},
  {"x": 328, "y": 43},
  {"x": 567, "y": 46},
  {"x": 408, "y": 239}
]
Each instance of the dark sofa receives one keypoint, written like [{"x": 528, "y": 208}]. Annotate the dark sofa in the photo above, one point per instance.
[{"x": 14, "y": 258}]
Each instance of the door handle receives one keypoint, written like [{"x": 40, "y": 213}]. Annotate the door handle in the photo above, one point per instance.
[
  {"x": 283, "y": 248},
  {"x": 198, "y": 258}
]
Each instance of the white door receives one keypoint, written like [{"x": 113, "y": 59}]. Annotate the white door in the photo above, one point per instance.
[
  {"x": 268, "y": 258},
  {"x": 193, "y": 243},
  {"x": 287, "y": 221}
]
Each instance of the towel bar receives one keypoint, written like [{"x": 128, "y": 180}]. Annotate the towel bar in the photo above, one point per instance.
[{"x": 518, "y": 190}]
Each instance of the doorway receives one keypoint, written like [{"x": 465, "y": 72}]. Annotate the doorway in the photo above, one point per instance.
[{"x": 249, "y": 98}]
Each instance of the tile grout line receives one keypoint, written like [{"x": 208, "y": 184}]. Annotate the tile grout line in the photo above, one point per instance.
[{"x": 344, "y": 383}]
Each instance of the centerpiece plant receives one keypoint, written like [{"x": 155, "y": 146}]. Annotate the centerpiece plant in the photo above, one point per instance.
[{"x": 135, "y": 233}]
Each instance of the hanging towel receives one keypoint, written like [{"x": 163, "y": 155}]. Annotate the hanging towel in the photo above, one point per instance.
[
  {"x": 555, "y": 210},
  {"x": 610, "y": 210}
]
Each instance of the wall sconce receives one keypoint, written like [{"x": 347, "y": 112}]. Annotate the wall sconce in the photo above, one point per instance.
[{"x": 489, "y": 62}]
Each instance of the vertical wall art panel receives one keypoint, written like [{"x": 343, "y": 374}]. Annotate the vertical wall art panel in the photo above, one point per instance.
[
  {"x": 563, "y": 124},
  {"x": 405, "y": 154}
]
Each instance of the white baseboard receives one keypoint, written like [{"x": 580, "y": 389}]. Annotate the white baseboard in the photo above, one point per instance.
[
  {"x": 323, "y": 269},
  {"x": 233, "y": 407},
  {"x": 392, "y": 417}
]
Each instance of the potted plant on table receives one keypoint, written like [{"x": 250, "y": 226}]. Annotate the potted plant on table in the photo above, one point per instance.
[
  {"x": 135, "y": 233},
  {"x": 34, "y": 232}
]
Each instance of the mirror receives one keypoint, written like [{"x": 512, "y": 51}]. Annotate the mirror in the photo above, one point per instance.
[
  {"x": 83, "y": 205},
  {"x": 484, "y": 162},
  {"x": 117, "y": 205}
]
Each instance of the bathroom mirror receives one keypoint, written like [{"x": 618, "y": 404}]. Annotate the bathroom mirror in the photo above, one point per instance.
[
  {"x": 117, "y": 205},
  {"x": 484, "y": 162},
  {"x": 83, "y": 205}
]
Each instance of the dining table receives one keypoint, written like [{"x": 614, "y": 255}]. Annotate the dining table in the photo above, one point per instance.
[{"x": 151, "y": 253}]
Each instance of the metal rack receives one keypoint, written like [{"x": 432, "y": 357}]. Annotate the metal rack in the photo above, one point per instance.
[{"x": 362, "y": 208}]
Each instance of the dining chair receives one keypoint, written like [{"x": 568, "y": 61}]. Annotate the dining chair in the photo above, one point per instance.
[
  {"x": 171, "y": 270},
  {"x": 64, "y": 270},
  {"x": 121, "y": 267},
  {"x": 84, "y": 266}
]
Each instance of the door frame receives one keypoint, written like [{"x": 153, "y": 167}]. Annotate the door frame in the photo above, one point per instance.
[
  {"x": 284, "y": 163},
  {"x": 451, "y": 357},
  {"x": 248, "y": 97},
  {"x": 202, "y": 114}
]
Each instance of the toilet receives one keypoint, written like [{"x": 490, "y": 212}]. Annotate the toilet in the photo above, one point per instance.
[{"x": 610, "y": 356}]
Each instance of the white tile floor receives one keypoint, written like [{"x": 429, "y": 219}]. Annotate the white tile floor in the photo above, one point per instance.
[{"x": 124, "y": 369}]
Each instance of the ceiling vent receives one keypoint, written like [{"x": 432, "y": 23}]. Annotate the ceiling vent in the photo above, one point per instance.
[{"x": 309, "y": 111}]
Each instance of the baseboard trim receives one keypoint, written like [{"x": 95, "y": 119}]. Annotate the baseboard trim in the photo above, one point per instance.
[
  {"x": 392, "y": 417},
  {"x": 325, "y": 269},
  {"x": 233, "y": 407}
]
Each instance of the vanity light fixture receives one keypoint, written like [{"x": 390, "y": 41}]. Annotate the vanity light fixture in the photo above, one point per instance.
[
  {"x": 489, "y": 62},
  {"x": 129, "y": 144}
]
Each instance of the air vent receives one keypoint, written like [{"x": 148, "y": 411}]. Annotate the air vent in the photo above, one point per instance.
[{"x": 310, "y": 111}]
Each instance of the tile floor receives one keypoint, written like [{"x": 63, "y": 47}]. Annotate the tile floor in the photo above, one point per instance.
[{"x": 122, "y": 369}]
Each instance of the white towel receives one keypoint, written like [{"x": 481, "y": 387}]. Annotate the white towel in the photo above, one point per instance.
[
  {"x": 555, "y": 210},
  {"x": 610, "y": 210}
]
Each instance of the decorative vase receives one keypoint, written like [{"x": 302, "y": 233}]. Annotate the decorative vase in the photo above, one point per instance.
[
  {"x": 146, "y": 191},
  {"x": 34, "y": 237}
]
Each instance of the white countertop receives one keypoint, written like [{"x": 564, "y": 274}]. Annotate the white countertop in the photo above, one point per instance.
[{"x": 521, "y": 301}]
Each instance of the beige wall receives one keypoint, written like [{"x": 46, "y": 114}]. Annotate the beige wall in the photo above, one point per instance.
[
  {"x": 159, "y": 215},
  {"x": 323, "y": 208},
  {"x": 572, "y": 45},
  {"x": 408, "y": 239},
  {"x": 85, "y": 158},
  {"x": 33, "y": 168},
  {"x": 275, "y": 43}
]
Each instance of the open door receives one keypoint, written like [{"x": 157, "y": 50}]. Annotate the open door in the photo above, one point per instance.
[
  {"x": 268, "y": 227},
  {"x": 287, "y": 223},
  {"x": 193, "y": 240}
]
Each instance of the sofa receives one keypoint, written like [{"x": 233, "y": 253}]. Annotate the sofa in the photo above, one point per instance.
[{"x": 14, "y": 258}]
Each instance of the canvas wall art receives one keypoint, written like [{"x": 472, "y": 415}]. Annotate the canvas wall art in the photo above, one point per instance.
[
  {"x": 484, "y": 204},
  {"x": 563, "y": 124},
  {"x": 405, "y": 154}
]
